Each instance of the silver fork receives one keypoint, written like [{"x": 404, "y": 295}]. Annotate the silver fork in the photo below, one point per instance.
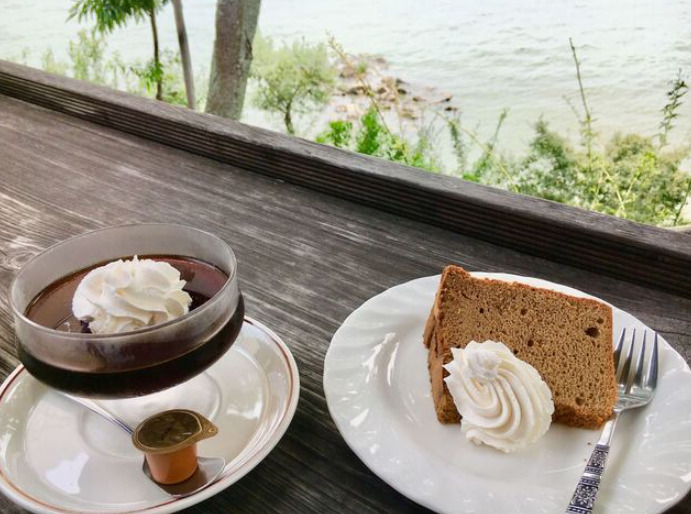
[{"x": 635, "y": 388}]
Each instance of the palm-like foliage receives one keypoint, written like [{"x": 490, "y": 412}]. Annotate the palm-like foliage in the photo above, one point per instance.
[{"x": 111, "y": 14}]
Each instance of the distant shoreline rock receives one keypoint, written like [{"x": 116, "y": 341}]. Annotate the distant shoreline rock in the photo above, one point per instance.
[{"x": 364, "y": 75}]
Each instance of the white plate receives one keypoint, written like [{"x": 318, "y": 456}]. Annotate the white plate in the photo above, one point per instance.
[
  {"x": 379, "y": 396},
  {"x": 55, "y": 456}
]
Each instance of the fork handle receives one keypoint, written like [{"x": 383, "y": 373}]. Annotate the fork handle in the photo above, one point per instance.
[{"x": 583, "y": 499}]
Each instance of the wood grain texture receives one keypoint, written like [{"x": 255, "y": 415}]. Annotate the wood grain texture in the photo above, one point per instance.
[
  {"x": 618, "y": 248},
  {"x": 306, "y": 260}
]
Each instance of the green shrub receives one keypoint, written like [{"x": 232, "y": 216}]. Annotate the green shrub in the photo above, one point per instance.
[
  {"x": 87, "y": 57},
  {"x": 88, "y": 60},
  {"x": 168, "y": 70},
  {"x": 374, "y": 138},
  {"x": 339, "y": 134},
  {"x": 291, "y": 79},
  {"x": 632, "y": 176}
]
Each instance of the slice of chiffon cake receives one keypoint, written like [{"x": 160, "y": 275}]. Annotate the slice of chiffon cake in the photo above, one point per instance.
[{"x": 568, "y": 340}]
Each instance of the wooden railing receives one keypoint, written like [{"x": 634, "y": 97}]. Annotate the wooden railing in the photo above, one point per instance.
[{"x": 648, "y": 255}]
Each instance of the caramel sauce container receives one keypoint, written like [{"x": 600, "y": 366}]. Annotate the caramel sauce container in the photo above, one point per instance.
[{"x": 169, "y": 442}]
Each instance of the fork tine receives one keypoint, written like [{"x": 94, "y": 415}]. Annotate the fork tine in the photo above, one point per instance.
[
  {"x": 651, "y": 375},
  {"x": 617, "y": 349},
  {"x": 623, "y": 376},
  {"x": 637, "y": 379}
]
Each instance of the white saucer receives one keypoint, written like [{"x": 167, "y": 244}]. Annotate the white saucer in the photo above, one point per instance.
[
  {"x": 57, "y": 457},
  {"x": 378, "y": 393}
]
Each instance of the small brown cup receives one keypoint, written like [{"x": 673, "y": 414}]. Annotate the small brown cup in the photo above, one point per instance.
[{"x": 169, "y": 442}]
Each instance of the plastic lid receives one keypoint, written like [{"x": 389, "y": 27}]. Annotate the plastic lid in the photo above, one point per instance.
[{"x": 172, "y": 430}]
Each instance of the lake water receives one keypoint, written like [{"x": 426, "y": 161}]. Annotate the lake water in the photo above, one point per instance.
[{"x": 490, "y": 55}]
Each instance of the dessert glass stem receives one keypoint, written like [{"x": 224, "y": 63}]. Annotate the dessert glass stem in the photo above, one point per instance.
[{"x": 583, "y": 499}]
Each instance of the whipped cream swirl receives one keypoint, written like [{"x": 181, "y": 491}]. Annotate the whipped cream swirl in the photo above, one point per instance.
[
  {"x": 503, "y": 400},
  {"x": 128, "y": 295}
]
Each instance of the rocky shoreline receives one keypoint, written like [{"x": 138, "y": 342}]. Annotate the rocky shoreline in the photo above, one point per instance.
[{"x": 363, "y": 76}]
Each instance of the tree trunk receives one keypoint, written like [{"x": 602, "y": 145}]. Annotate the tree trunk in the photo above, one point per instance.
[
  {"x": 236, "y": 23},
  {"x": 288, "y": 118},
  {"x": 184, "y": 52},
  {"x": 157, "y": 57}
]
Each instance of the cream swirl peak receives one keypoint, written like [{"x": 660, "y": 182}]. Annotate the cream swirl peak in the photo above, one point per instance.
[
  {"x": 128, "y": 295},
  {"x": 503, "y": 400}
]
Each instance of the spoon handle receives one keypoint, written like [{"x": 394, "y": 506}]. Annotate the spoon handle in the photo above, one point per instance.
[
  {"x": 94, "y": 406},
  {"x": 208, "y": 471}
]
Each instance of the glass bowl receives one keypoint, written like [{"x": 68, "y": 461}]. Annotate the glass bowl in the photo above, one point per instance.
[{"x": 133, "y": 363}]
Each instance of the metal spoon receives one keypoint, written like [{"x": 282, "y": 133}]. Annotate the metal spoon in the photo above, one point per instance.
[{"x": 208, "y": 470}]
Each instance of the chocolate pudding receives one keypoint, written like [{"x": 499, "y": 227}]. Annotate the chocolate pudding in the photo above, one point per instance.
[{"x": 52, "y": 308}]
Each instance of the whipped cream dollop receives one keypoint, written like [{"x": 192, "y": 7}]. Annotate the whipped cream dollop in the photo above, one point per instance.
[
  {"x": 128, "y": 295},
  {"x": 503, "y": 400}
]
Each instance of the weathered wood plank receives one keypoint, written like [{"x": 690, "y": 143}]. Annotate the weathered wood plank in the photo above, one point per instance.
[
  {"x": 306, "y": 260},
  {"x": 618, "y": 248}
]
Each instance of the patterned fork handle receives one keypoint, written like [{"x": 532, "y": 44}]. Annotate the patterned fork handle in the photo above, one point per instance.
[{"x": 583, "y": 499}]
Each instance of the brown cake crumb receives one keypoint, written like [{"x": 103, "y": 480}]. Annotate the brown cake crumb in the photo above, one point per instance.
[{"x": 568, "y": 340}]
